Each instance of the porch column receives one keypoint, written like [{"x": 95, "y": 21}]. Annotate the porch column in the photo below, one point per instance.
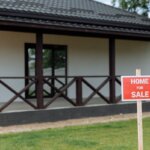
[
  {"x": 112, "y": 70},
  {"x": 39, "y": 70}
]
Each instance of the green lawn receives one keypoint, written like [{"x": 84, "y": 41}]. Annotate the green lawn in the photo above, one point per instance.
[{"x": 108, "y": 136}]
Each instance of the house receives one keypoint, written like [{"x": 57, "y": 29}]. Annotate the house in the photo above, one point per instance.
[{"x": 75, "y": 49}]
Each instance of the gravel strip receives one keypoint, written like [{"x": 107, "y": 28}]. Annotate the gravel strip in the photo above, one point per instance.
[{"x": 61, "y": 124}]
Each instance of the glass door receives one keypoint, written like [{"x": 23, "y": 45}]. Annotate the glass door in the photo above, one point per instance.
[
  {"x": 48, "y": 69},
  {"x": 54, "y": 67}
]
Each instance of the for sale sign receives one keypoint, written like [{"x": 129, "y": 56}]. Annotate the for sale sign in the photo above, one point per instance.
[{"x": 135, "y": 88}]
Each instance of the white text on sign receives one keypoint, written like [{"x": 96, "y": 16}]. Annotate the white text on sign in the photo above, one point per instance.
[
  {"x": 138, "y": 94},
  {"x": 139, "y": 81}
]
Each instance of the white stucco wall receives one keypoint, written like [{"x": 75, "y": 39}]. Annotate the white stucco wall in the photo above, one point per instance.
[
  {"x": 86, "y": 56},
  {"x": 12, "y": 59},
  {"x": 131, "y": 55}
]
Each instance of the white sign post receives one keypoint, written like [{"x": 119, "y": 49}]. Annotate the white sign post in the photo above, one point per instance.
[
  {"x": 139, "y": 118},
  {"x": 136, "y": 88}
]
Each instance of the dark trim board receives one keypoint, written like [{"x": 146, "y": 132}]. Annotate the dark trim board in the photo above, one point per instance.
[
  {"x": 52, "y": 115},
  {"x": 58, "y": 30}
]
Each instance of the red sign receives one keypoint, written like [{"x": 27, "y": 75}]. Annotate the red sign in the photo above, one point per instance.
[{"x": 135, "y": 88}]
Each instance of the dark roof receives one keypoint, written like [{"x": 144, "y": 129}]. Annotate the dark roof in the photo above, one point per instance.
[{"x": 76, "y": 13}]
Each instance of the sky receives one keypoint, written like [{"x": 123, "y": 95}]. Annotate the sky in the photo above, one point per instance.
[
  {"x": 108, "y": 2},
  {"x": 105, "y": 1}
]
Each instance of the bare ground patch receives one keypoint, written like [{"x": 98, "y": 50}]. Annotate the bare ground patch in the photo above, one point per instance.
[{"x": 72, "y": 122}]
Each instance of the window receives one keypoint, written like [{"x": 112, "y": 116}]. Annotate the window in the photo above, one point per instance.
[{"x": 54, "y": 65}]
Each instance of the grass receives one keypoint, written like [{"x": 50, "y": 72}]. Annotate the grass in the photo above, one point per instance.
[{"x": 108, "y": 136}]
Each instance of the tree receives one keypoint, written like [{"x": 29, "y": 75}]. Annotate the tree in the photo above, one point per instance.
[{"x": 136, "y": 6}]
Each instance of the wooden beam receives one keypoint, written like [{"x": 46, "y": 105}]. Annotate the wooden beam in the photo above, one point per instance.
[
  {"x": 112, "y": 70},
  {"x": 60, "y": 30},
  {"x": 39, "y": 70},
  {"x": 79, "y": 91}
]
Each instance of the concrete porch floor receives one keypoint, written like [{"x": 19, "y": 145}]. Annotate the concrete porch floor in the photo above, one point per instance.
[{"x": 57, "y": 104}]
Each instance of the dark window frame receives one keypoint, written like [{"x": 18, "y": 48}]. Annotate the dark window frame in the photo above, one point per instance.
[{"x": 45, "y": 46}]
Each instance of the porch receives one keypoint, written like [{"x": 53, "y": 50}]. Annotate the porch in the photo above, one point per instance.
[{"x": 87, "y": 79}]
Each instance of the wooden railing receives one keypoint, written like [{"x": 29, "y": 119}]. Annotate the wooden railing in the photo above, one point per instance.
[
  {"x": 62, "y": 91},
  {"x": 118, "y": 81},
  {"x": 78, "y": 80},
  {"x": 17, "y": 94}
]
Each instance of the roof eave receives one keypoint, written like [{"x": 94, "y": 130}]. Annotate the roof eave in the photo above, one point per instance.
[
  {"x": 33, "y": 27},
  {"x": 72, "y": 19}
]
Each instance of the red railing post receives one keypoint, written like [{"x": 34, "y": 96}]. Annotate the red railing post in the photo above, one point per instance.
[{"x": 79, "y": 91}]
